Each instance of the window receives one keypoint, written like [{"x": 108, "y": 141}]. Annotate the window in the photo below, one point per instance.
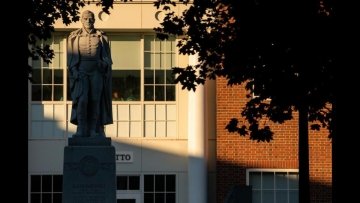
[
  {"x": 159, "y": 189},
  {"x": 46, "y": 189},
  {"x": 144, "y": 92},
  {"x": 48, "y": 82},
  {"x": 128, "y": 182},
  {"x": 126, "y": 68},
  {"x": 159, "y": 57},
  {"x": 273, "y": 186}
]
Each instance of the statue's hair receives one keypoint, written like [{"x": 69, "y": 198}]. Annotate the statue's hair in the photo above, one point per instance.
[{"x": 88, "y": 12}]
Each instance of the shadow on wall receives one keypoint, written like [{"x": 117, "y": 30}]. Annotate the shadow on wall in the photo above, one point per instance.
[{"x": 231, "y": 185}]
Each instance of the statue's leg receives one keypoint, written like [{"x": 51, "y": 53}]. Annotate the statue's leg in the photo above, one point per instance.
[
  {"x": 100, "y": 130},
  {"x": 82, "y": 112},
  {"x": 95, "y": 95}
]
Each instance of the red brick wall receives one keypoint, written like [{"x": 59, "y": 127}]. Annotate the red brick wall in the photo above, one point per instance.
[{"x": 235, "y": 153}]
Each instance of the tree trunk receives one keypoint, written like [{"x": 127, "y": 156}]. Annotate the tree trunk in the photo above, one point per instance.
[
  {"x": 304, "y": 190},
  {"x": 335, "y": 158}
]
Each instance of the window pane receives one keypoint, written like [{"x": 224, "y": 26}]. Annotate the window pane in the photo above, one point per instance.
[
  {"x": 173, "y": 61},
  {"x": 170, "y": 197},
  {"x": 57, "y": 183},
  {"x": 116, "y": 96},
  {"x": 280, "y": 180},
  {"x": 156, "y": 60},
  {"x": 170, "y": 79},
  {"x": 149, "y": 93},
  {"x": 157, "y": 45},
  {"x": 268, "y": 196},
  {"x": 281, "y": 196},
  {"x": 125, "y": 51},
  {"x": 47, "y": 76},
  {"x": 36, "y": 93},
  {"x": 159, "y": 197},
  {"x": 35, "y": 183},
  {"x": 134, "y": 182},
  {"x": 56, "y": 62},
  {"x": 170, "y": 183},
  {"x": 46, "y": 198},
  {"x": 168, "y": 45},
  {"x": 255, "y": 180},
  {"x": 159, "y": 183},
  {"x": 35, "y": 198},
  {"x": 166, "y": 60},
  {"x": 149, "y": 43},
  {"x": 159, "y": 93},
  {"x": 256, "y": 196},
  {"x": 147, "y": 60},
  {"x": 170, "y": 93},
  {"x": 148, "y": 198},
  {"x": 159, "y": 77},
  {"x": 57, "y": 46},
  {"x": 294, "y": 196},
  {"x": 36, "y": 76},
  {"x": 45, "y": 64},
  {"x": 58, "y": 76},
  {"x": 58, "y": 93},
  {"x": 47, "y": 93},
  {"x": 148, "y": 183},
  {"x": 46, "y": 183},
  {"x": 149, "y": 77},
  {"x": 293, "y": 180},
  {"x": 121, "y": 182},
  {"x": 126, "y": 84},
  {"x": 268, "y": 180},
  {"x": 36, "y": 63},
  {"x": 57, "y": 198}
]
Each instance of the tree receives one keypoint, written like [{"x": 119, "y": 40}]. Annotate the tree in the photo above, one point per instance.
[{"x": 281, "y": 50}]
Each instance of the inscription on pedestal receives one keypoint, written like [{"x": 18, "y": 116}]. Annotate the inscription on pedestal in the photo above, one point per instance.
[
  {"x": 94, "y": 193},
  {"x": 89, "y": 174}
]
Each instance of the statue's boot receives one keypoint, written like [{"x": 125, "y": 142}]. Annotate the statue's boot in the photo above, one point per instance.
[
  {"x": 100, "y": 130},
  {"x": 92, "y": 128},
  {"x": 81, "y": 129}
]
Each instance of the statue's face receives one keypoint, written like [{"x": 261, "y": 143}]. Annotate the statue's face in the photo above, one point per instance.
[{"x": 88, "y": 20}]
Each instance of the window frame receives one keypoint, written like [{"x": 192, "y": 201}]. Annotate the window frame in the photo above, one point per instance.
[
  {"x": 41, "y": 192},
  {"x": 274, "y": 171},
  {"x": 165, "y": 187}
]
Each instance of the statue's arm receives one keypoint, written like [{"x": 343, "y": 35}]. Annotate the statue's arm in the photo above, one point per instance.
[
  {"x": 106, "y": 49},
  {"x": 71, "y": 56}
]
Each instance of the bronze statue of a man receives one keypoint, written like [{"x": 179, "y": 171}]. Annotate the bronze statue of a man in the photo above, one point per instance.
[{"x": 89, "y": 65}]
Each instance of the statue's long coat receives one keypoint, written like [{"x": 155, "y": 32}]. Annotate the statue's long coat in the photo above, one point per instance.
[{"x": 73, "y": 59}]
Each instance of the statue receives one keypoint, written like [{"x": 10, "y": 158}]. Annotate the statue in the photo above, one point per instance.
[{"x": 89, "y": 66}]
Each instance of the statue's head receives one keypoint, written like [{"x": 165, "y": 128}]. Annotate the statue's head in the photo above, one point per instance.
[{"x": 88, "y": 19}]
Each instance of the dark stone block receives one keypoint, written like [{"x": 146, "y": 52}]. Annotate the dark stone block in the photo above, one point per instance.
[{"x": 89, "y": 174}]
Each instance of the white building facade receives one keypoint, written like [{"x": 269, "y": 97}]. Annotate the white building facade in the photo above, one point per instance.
[{"x": 164, "y": 136}]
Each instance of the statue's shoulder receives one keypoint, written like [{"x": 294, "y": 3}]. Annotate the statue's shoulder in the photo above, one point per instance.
[
  {"x": 74, "y": 33},
  {"x": 100, "y": 32}
]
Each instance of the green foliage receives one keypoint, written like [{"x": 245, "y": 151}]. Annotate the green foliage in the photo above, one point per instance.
[{"x": 283, "y": 51}]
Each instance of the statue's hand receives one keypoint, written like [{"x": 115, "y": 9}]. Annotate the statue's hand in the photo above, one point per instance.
[{"x": 102, "y": 66}]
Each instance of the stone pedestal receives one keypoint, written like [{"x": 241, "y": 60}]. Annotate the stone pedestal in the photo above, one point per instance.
[{"x": 89, "y": 171}]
